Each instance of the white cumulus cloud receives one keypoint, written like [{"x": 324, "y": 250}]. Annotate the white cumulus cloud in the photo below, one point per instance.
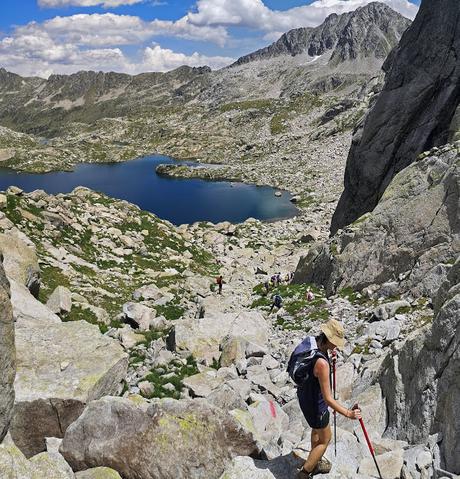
[
  {"x": 86, "y": 3},
  {"x": 164, "y": 59},
  {"x": 37, "y": 53},
  {"x": 109, "y": 29},
  {"x": 255, "y": 14}
]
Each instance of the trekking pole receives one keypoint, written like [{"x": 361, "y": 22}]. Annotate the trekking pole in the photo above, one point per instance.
[
  {"x": 334, "y": 360},
  {"x": 371, "y": 449}
]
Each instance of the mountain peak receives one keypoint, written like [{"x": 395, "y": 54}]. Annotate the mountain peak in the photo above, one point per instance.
[{"x": 369, "y": 31}]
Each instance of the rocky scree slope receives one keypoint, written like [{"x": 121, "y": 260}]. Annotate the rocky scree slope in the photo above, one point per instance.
[
  {"x": 184, "y": 341},
  {"x": 413, "y": 113}
]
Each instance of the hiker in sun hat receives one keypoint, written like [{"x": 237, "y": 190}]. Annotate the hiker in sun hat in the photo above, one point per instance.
[{"x": 309, "y": 366}]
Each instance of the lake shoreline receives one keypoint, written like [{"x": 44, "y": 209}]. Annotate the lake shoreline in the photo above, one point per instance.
[{"x": 199, "y": 199}]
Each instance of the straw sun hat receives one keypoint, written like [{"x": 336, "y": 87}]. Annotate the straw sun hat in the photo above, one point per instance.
[{"x": 334, "y": 331}]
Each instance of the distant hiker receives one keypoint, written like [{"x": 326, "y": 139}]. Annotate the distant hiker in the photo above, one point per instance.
[
  {"x": 309, "y": 367},
  {"x": 277, "y": 301},
  {"x": 278, "y": 278},
  {"x": 220, "y": 282},
  {"x": 267, "y": 287},
  {"x": 288, "y": 278},
  {"x": 310, "y": 296},
  {"x": 274, "y": 280}
]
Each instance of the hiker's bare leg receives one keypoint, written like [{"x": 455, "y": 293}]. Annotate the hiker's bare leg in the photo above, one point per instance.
[
  {"x": 318, "y": 448},
  {"x": 314, "y": 438}
]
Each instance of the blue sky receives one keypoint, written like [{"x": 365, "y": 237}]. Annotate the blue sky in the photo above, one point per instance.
[{"x": 41, "y": 37}]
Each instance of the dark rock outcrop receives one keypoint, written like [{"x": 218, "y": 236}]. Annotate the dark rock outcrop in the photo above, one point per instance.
[
  {"x": 413, "y": 112},
  {"x": 408, "y": 240},
  {"x": 421, "y": 379},
  {"x": 166, "y": 438},
  {"x": 7, "y": 356},
  {"x": 370, "y": 31}
]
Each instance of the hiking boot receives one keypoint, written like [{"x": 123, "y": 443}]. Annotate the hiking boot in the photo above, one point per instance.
[
  {"x": 303, "y": 474},
  {"x": 323, "y": 467}
]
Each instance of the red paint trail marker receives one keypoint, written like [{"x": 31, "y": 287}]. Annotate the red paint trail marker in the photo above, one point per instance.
[{"x": 272, "y": 409}]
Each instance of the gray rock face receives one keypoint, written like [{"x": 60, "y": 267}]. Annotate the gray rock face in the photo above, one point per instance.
[
  {"x": 421, "y": 380},
  {"x": 168, "y": 439},
  {"x": 60, "y": 368},
  {"x": 370, "y": 31},
  {"x": 20, "y": 261},
  {"x": 7, "y": 356},
  {"x": 413, "y": 230},
  {"x": 98, "y": 473},
  {"x": 413, "y": 112}
]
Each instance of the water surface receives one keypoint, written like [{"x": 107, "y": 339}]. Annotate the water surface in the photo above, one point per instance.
[{"x": 177, "y": 200}]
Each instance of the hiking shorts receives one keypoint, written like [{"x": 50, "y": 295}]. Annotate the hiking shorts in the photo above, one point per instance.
[{"x": 318, "y": 421}]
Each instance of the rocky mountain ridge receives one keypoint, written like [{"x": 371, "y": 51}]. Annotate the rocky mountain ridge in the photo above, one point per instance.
[{"x": 371, "y": 31}]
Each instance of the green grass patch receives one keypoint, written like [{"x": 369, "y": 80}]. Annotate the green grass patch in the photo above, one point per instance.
[
  {"x": 262, "y": 104},
  {"x": 51, "y": 278},
  {"x": 158, "y": 380},
  {"x": 295, "y": 303},
  {"x": 150, "y": 336},
  {"x": 353, "y": 296},
  {"x": 319, "y": 314},
  {"x": 170, "y": 311},
  {"x": 278, "y": 122},
  {"x": 404, "y": 310},
  {"x": 84, "y": 314},
  {"x": 12, "y": 204}
]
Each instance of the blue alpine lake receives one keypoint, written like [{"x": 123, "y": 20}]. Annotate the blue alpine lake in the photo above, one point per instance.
[{"x": 177, "y": 200}]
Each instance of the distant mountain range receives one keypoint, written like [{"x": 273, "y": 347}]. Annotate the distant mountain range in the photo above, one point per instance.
[{"x": 333, "y": 66}]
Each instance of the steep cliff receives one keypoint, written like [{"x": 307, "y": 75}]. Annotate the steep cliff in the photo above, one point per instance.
[
  {"x": 413, "y": 113},
  {"x": 7, "y": 355},
  {"x": 421, "y": 379},
  {"x": 405, "y": 242}
]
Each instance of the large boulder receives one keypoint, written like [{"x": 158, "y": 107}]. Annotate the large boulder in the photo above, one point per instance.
[
  {"x": 20, "y": 260},
  {"x": 27, "y": 310},
  {"x": 202, "y": 337},
  {"x": 421, "y": 379},
  {"x": 7, "y": 356},
  {"x": 60, "y": 368},
  {"x": 413, "y": 112},
  {"x": 60, "y": 301},
  {"x": 98, "y": 473},
  {"x": 14, "y": 465},
  {"x": 266, "y": 421},
  {"x": 164, "y": 438},
  {"x": 411, "y": 236}
]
